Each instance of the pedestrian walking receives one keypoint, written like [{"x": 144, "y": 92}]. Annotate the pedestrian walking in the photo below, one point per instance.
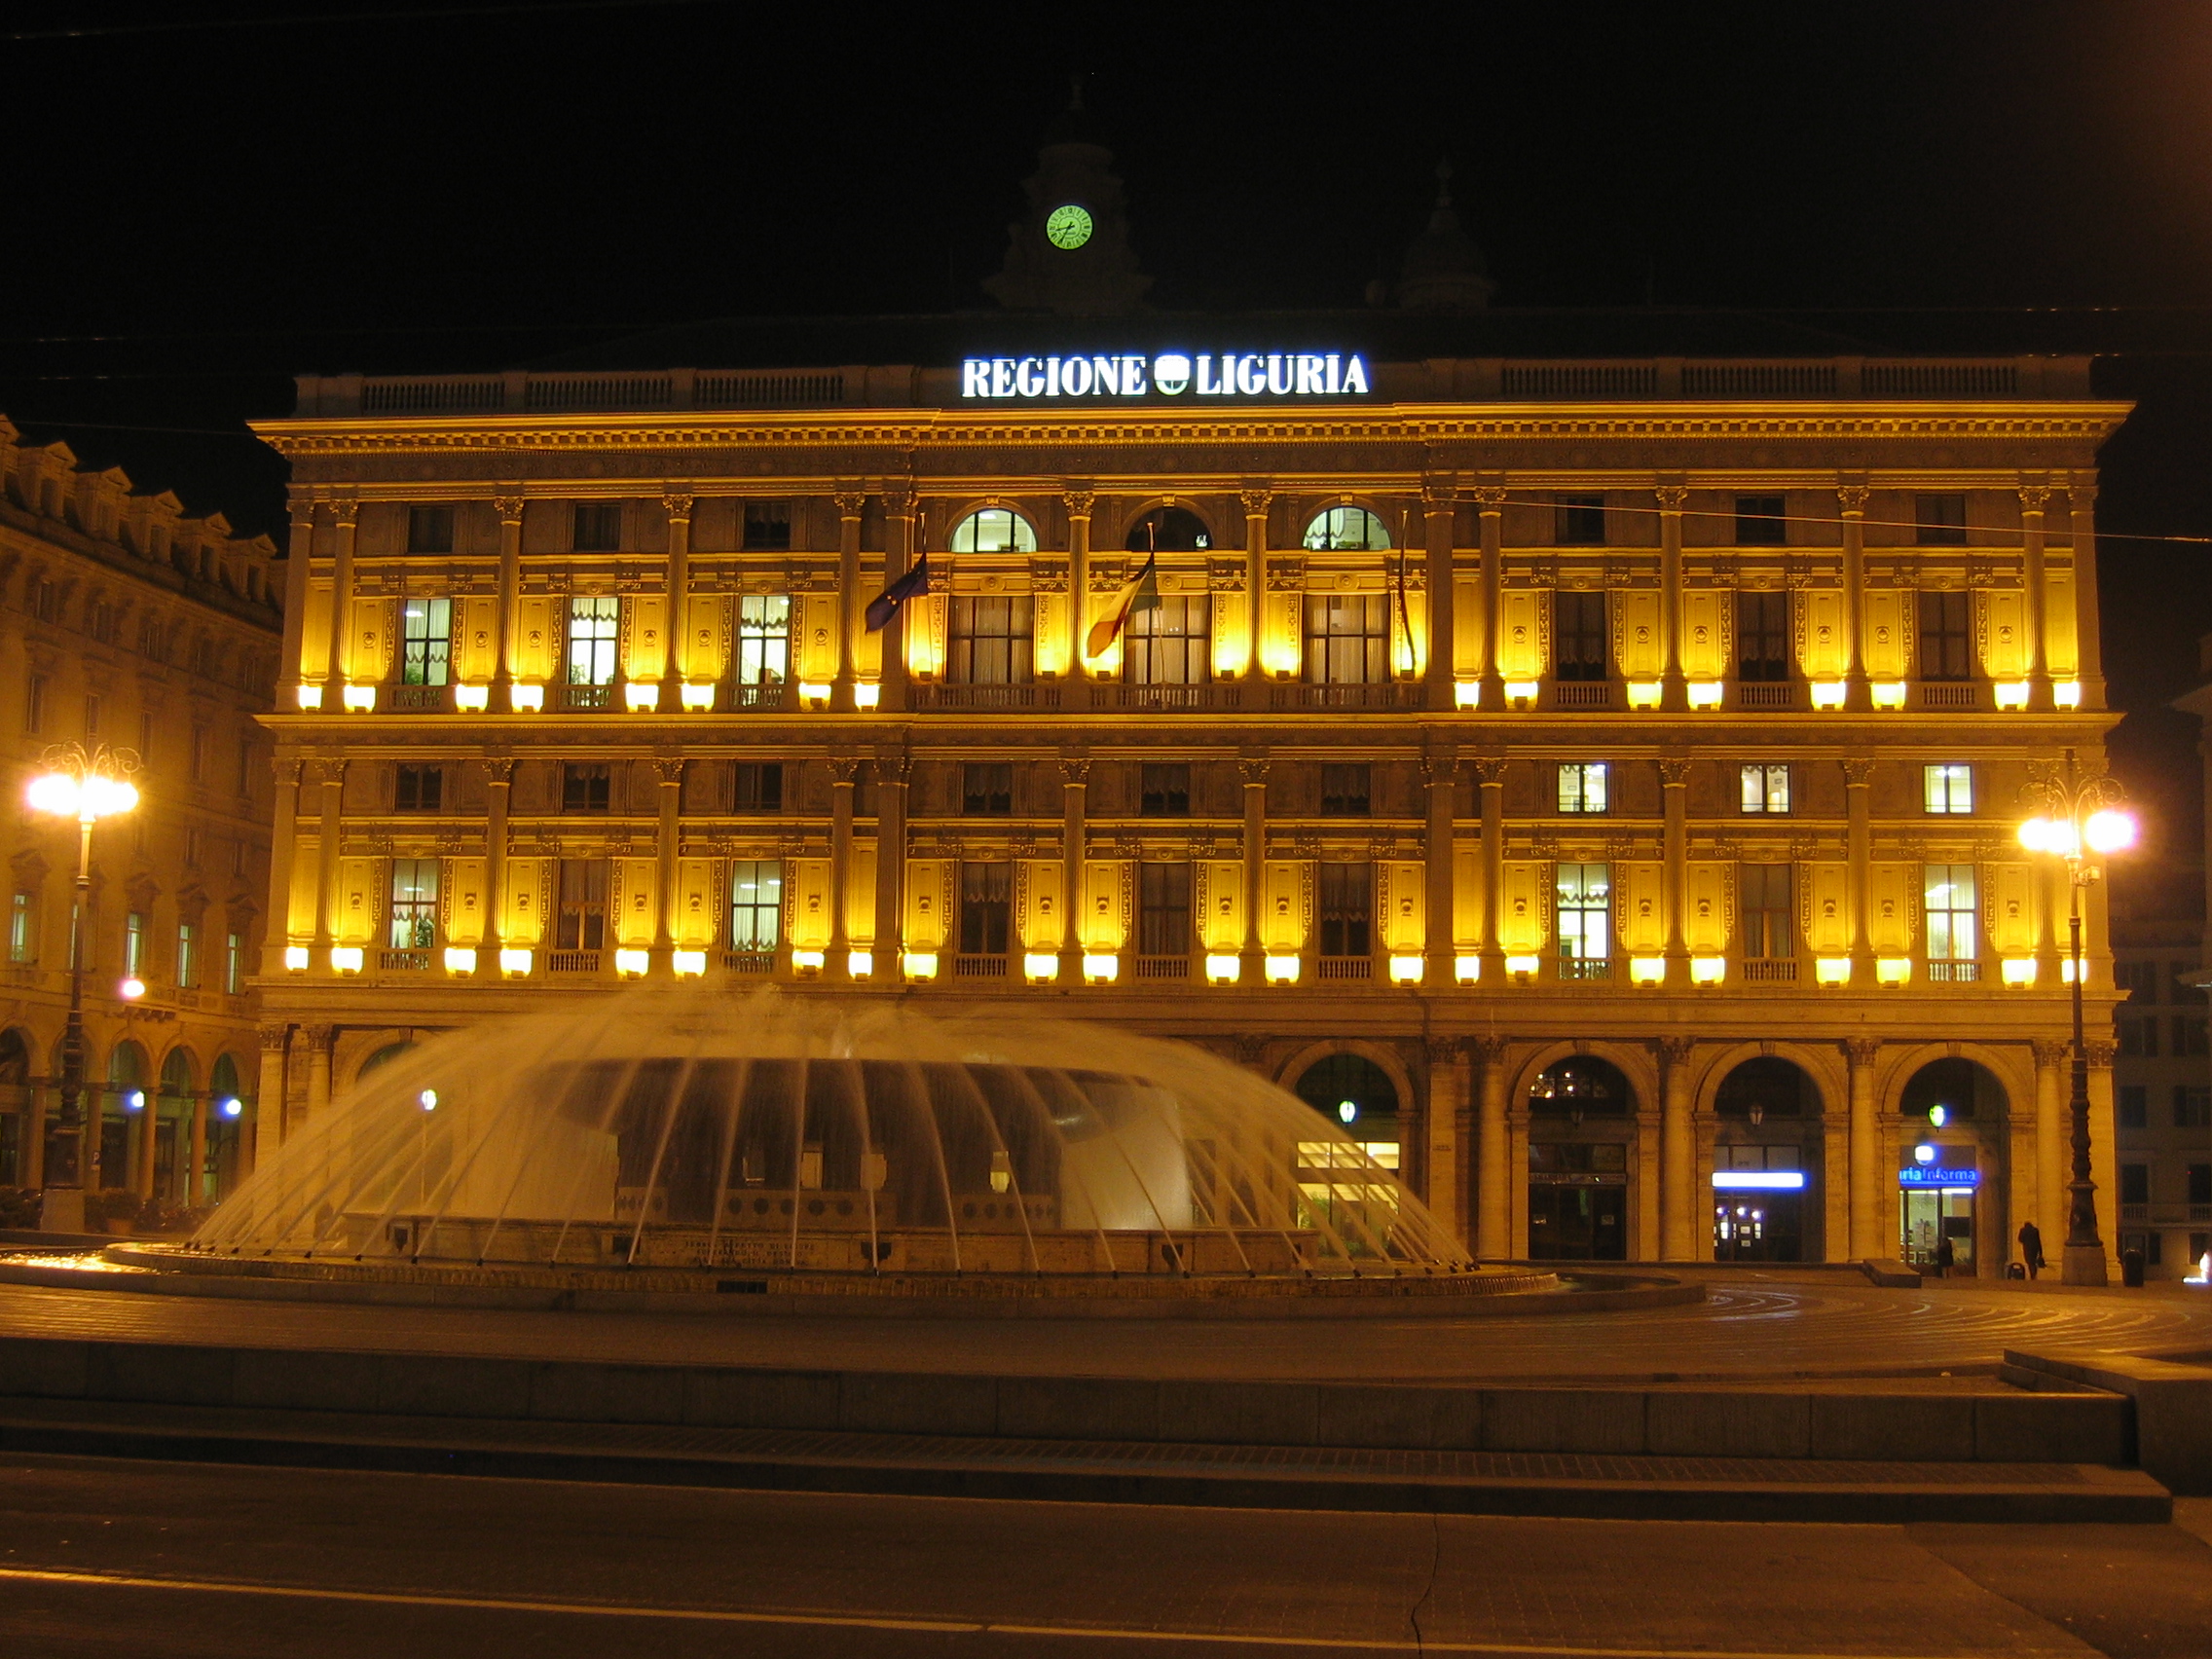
[
  {"x": 2031, "y": 1247},
  {"x": 1947, "y": 1254}
]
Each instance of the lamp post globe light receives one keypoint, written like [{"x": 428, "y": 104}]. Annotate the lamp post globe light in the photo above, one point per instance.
[
  {"x": 87, "y": 785},
  {"x": 2080, "y": 822}
]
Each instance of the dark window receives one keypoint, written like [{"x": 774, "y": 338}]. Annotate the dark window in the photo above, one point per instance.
[
  {"x": 48, "y": 602},
  {"x": 2134, "y": 1107},
  {"x": 1760, "y": 521},
  {"x": 2134, "y": 1183},
  {"x": 1168, "y": 530},
  {"x": 580, "y": 923},
  {"x": 1578, "y": 629},
  {"x": 2138, "y": 1038},
  {"x": 767, "y": 526},
  {"x": 419, "y": 788},
  {"x": 1768, "y": 918},
  {"x": 2193, "y": 1107},
  {"x": 1939, "y": 521},
  {"x": 1345, "y": 786},
  {"x": 1170, "y": 644},
  {"x": 987, "y": 788},
  {"x": 985, "y": 902},
  {"x": 1347, "y": 909},
  {"x": 598, "y": 527},
  {"x": 429, "y": 529},
  {"x": 1581, "y": 521},
  {"x": 1348, "y": 638},
  {"x": 1163, "y": 909},
  {"x": 991, "y": 636},
  {"x": 584, "y": 789},
  {"x": 2200, "y": 1189},
  {"x": 2190, "y": 1034},
  {"x": 1163, "y": 790},
  {"x": 1946, "y": 636},
  {"x": 760, "y": 786},
  {"x": 1763, "y": 635}
]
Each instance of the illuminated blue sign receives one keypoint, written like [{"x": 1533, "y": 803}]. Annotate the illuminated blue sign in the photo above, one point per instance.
[
  {"x": 1171, "y": 374},
  {"x": 1758, "y": 1180},
  {"x": 1932, "y": 1175}
]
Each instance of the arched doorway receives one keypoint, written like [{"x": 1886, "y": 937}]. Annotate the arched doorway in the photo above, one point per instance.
[
  {"x": 1950, "y": 1164},
  {"x": 15, "y": 1108},
  {"x": 1581, "y": 1136},
  {"x": 1766, "y": 1164},
  {"x": 113, "y": 1111},
  {"x": 1168, "y": 530},
  {"x": 1359, "y": 1098},
  {"x": 227, "y": 1108},
  {"x": 172, "y": 1128}
]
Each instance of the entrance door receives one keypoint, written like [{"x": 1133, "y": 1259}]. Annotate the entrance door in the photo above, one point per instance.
[
  {"x": 1759, "y": 1226},
  {"x": 1577, "y": 1222},
  {"x": 1932, "y": 1214}
]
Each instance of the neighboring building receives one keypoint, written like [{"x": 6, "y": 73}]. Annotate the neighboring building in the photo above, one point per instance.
[
  {"x": 124, "y": 623},
  {"x": 2166, "y": 1130},
  {"x": 1597, "y": 766}
]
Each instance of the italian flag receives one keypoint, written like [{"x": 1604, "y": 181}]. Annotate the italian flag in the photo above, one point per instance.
[{"x": 1140, "y": 593}]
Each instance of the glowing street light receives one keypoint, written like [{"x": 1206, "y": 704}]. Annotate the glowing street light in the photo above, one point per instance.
[
  {"x": 2081, "y": 821},
  {"x": 87, "y": 785}
]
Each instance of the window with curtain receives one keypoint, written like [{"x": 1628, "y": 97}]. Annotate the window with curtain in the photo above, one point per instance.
[
  {"x": 426, "y": 641},
  {"x": 1170, "y": 644},
  {"x": 1762, "y": 637},
  {"x": 1163, "y": 909},
  {"x": 763, "y": 639},
  {"x": 986, "y": 903},
  {"x": 1348, "y": 638},
  {"x": 1585, "y": 911},
  {"x": 595, "y": 622},
  {"x": 1948, "y": 891},
  {"x": 756, "y": 903},
  {"x": 1579, "y": 647},
  {"x": 581, "y": 913},
  {"x": 1347, "y": 909},
  {"x": 1946, "y": 636},
  {"x": 992, "y": 639},
  {"x": 1767, "y": 918},
  {"x": 414, "y": 903}
]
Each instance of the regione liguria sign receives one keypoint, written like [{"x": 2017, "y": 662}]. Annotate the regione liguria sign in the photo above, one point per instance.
[{"x": 1166, "y": 374}]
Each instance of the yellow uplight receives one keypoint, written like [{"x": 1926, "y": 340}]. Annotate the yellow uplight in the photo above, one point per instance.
[
  {"x": 1405, "y": 969},
  {"x": 459, "y": 959},
  {"x": 691, "y": 964},
  {"x": 1707, "y": 970},
  {"x": 1833, "y": 969},
  {"x": 2019, "y": 972},
  {"x": 1888, "y": 694},
  {"x": 1893, "y": 971},
  {"x": 1646, "y": 969}
]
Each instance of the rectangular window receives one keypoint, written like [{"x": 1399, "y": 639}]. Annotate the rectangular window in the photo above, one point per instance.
[
  {"x": 1948, "y": 893},
  {"x": 188, "y": 955},
  {"x": 1582, "y": 785},
  {"x": 1347, "y": 909},
  {"x": 1163, "y": 909},
  {"x": 585, "y": 788},
  {"x": 986, "y": 891},
  {"x": 134, "y": 944},
  {"x": 595, "y": 621},
  {"x": 1761, "y": 521},
  {"x": 767, "y": 526},
  {"x": 1346, "y": 789},
  {"x": 1163, "y": 788},
  {"x": 2199, "y": 1192},
  {"x": 581, "y": 921},
  {"x": 34, "y": 705},
  {"x": 240, "y": 851},
  {"x": 1585, "y": 911},
  {"x": 1578, "y": 636},
  {"x": 199, "y": 753},
  {"x": 1348, "y": 638},
  {"x": 91, "y": 714},
  {"x": 598, "y": 526},
  {"x": 234, "y": 964},
  {"x": 991, "y": 640},
  {"x": 23, "y": 929},
  {"x": 1762, "y": 637},
  {"x": 2134, "y": 1106},
  {"x": 2138, "y": 1038},
  {"x": 1939, "y": 521},
  {"x": 756, "y": 903},
  {"x": 1579, "y": 521},
  {"x": 2190, "y": 1036},
  {"x": 760, "y": 786},
  {"x": 1171, "y": 643},
  {"x": 418, "y": 789},
  {"x": 245, "y": 768},
  {"x": 414, "y": 903},
  {"x": 1769, "y": 919},
  {"x": 1949, "y": 788},
  {"x": 429, "y": 529},
  {"x": 1946, "y": 636},
  {"x": 2134, "y": 1183},
  {"x": 987, "y": 788},
  {"x": 2193, "y": 1107},
  {"x": 426, "y": 641},
  {"x": 47, "y": 602},
  {"x": 763, "y": 639},
  {"x": 1767, "y": 787}
]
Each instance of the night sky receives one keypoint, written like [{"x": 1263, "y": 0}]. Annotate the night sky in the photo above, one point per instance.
[{"x": 195, "y": 214}]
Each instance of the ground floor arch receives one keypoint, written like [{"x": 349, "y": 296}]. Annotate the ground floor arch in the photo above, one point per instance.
[
  {"x": 1768, "y": 1159},
  {"x": 1582, "y": 1112}
]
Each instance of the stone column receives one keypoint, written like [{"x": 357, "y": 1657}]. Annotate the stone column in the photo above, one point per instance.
[
  {"x": 1255, "y": 775},
  {"x": 148, "y": 1129},
  {"x": 677, "y": 661},
  {"x": 1859, "y": 840},
  {"x": 1870, "y": 1238},
  {"x": 670, "y": 801},
  {"x": 1440, "y": 769},
  {"x": 30, "y": 1163},
  {"x": 346, "y": 515},
  {"x": 1851, "y": 499},
  {"x": 268, "y": 1099},
  {"x": 498, "y": 780},
  {"x": 1080, "y": 503},
  {"x": 2082, "y": 501},
  {"x": 1679, "y": 1208},
  {"x": 844, "y": 770},
  {"x": 283, "y": 851},
  {"x": 300, "y": 558},
  {"x": 1493, "y": 1172},
  {"x": 852, "y": 502},
  {"x": 1835, "y": 1181},
  {"x": 195, "y": 1177},
  {"x": 327, "y": 836},
  {"x": 1441, "y": 1176},
  {"x": 2053, "y": 1066},
  {"x": 1439, "y": 507},
  {"x": 1255, "y": 500},
  {"x": 1490, "y": 784},
  {"x": 2034, "y": 499},
  {"x": 891, "y": 764},
  {"x": 1075, "y": 782},
  {"x": 318, "y": 1039},
  {"x": 509, "y": 630},
  {"x": 1489, "y": 504},
  {"x": 1673, "y": 694},
  {"x": 2104, "y": 1153},
  {"x": 1673, "y": 795}
]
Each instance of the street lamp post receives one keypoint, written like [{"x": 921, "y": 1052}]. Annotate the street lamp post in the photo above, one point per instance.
[
  {"x": 2080, "y": 816},
  {"x": 87, "y": 785}
]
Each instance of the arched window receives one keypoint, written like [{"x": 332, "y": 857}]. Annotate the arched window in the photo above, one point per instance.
[
  {"x": 383, "y": 1057},
  {"x": 176, "y": 1075},
  {"x": 223, "y": 1085},
  {"x": 1768, "y": 1086},
  {"x": 1350, "y": 1089},
  {"x": 1169, "y": 529},
  {"x": 1582, "y": 1086},
  {"x": 1343, "y": 528},
  {"x": 993, "y": 530}
]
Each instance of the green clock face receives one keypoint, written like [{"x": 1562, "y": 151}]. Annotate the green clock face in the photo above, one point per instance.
[{"x": 1068, "y": 227}]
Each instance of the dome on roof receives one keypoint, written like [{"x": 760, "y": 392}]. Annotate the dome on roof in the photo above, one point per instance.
[{"x": 1444, "y": 268}]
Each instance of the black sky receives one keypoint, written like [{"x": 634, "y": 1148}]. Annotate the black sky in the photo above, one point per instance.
[{"x": 195, "y": 214}]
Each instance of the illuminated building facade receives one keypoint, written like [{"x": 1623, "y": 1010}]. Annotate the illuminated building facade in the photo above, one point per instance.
[
  {"x": 1597, "y": 774},
  {"x": 125, "y": 622}
]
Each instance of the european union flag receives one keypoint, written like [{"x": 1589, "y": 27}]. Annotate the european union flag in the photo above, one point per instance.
[{"x": 885, "y": 605}]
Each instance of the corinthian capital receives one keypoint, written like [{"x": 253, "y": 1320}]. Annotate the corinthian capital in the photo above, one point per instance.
[{"x": 1256, "y": 498}]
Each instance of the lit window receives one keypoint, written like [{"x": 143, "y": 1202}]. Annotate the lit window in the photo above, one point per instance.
[
  {"x": 187, "y": 955},
  {"x": 1950, "y": 788},
  {"x": 426, "y": 641},
  {"x": 756, "y": 903},
  {"x": 1766, "y": 788},
  {"x": 1582, "y": 785},
  {"x": 993, "y": 530},
  {"x": 1585, "y": 895},
  {"x": 134, "y": 944},
  {"x": 22, "y": 929},
  {"x": 993, "y": 638},
  {"x": 414, "y": 903},
  {"x": 594, "y": 621},
  {"x": 1350, "y": 529},
  {"x": 1348, "y": 638},
  {"x": 1951, "y": 909},
  {"x": 763, "y": 639},
  {"x": 234, "y": 964},
  {"x": 1169, "y": 644}
]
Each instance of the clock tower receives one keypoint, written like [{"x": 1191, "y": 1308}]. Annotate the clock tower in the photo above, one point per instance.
[{"x": 1070, "y": 251}]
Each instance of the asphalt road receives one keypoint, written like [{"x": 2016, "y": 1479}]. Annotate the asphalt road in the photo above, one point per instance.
[{"x": 117, "y": 1558}]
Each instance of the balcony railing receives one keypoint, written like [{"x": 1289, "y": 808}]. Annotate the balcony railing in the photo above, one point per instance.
[
  {"x": 1582, "y": 695},
  {"x": 1947, "y": 696},
  {"x": 751, "y": 962},
  {"x": 1387, "y": 695},
  {"x": 1770, "y": 971},
  {"x": 1163, "y": 968},
  {"x": 1953, "y": 972},
  {"x": 750, "y": 699},
  {"x": 1586, "y": 968},
  {"x": 1346, "y": 968},
  {"x": 574, "y": 696},
  {"x": 1169, "y": 698},
  {"x": 935, "y": 695},
  {"x": 403, "y": 961},
  {"x": 979, "y": 966},
  {"x": 416, "y": 697},
  {"x": 571, "y": 961},
  {"x": 1767, "y": 694}
]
